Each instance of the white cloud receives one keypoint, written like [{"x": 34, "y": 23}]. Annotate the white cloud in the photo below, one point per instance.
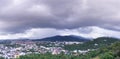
[
  {"x": 101, "y": 32},
  {"x": 87, "y": 32},
  {"x": 32, "y": 34},
  {"x": 41, "y": 32}
]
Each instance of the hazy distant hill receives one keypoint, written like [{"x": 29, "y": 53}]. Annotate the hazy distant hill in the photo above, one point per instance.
[{"x": 64, "y": 38}]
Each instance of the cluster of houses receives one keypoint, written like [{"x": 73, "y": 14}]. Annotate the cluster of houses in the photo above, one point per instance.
[{"x": 25, "y": 48}]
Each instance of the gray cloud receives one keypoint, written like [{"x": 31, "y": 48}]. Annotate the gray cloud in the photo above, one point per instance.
[{"x": 19, "y": 15}]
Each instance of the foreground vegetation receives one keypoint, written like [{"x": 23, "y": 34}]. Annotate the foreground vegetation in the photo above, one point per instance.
[{"x": 94, "y": 44}]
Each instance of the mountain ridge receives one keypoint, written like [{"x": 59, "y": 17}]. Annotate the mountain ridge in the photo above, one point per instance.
[{"x": 64, "y": 38}]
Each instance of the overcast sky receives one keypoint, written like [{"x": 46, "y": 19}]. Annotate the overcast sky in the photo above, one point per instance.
[{"x": 21, "y": 16}]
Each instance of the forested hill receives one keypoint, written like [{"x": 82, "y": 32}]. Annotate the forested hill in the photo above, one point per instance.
[
  {"x": 94, "y": 44},
  {"x": 110, "y": 52},
  {"x": 64, "y": 38}
]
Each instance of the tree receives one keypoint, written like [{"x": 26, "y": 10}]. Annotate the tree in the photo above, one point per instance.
[{"x": 107, "y": 56}]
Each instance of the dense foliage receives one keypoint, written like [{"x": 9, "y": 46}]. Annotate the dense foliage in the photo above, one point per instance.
[
  {"x": 94, "y": 44},
  {"x": 111, "y": 52},
  {"x": 2, "y": 58},
  {"x": 49, "y": 56}
]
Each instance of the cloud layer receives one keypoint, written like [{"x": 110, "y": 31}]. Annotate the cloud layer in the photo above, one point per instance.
[
  {"x": 44, "y": 18},
  {"x": 39, "y": 33},
  {"x": 19, "y": 15}
]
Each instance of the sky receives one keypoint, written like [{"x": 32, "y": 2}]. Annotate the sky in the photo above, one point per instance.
[{"x": 45, "y": 18}]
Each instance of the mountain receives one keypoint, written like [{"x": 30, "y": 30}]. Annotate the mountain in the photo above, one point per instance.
[{"x": 64, "y": 38}]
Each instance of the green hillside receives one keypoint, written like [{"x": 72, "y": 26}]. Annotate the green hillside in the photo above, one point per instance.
[{"x": 94, "y": 44}]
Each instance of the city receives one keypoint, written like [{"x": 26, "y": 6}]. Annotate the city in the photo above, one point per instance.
[{"x": 19, "y": 48}]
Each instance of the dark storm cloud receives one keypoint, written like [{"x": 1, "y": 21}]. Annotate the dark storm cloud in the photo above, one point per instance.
[{"x": 18, "y": 15}]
